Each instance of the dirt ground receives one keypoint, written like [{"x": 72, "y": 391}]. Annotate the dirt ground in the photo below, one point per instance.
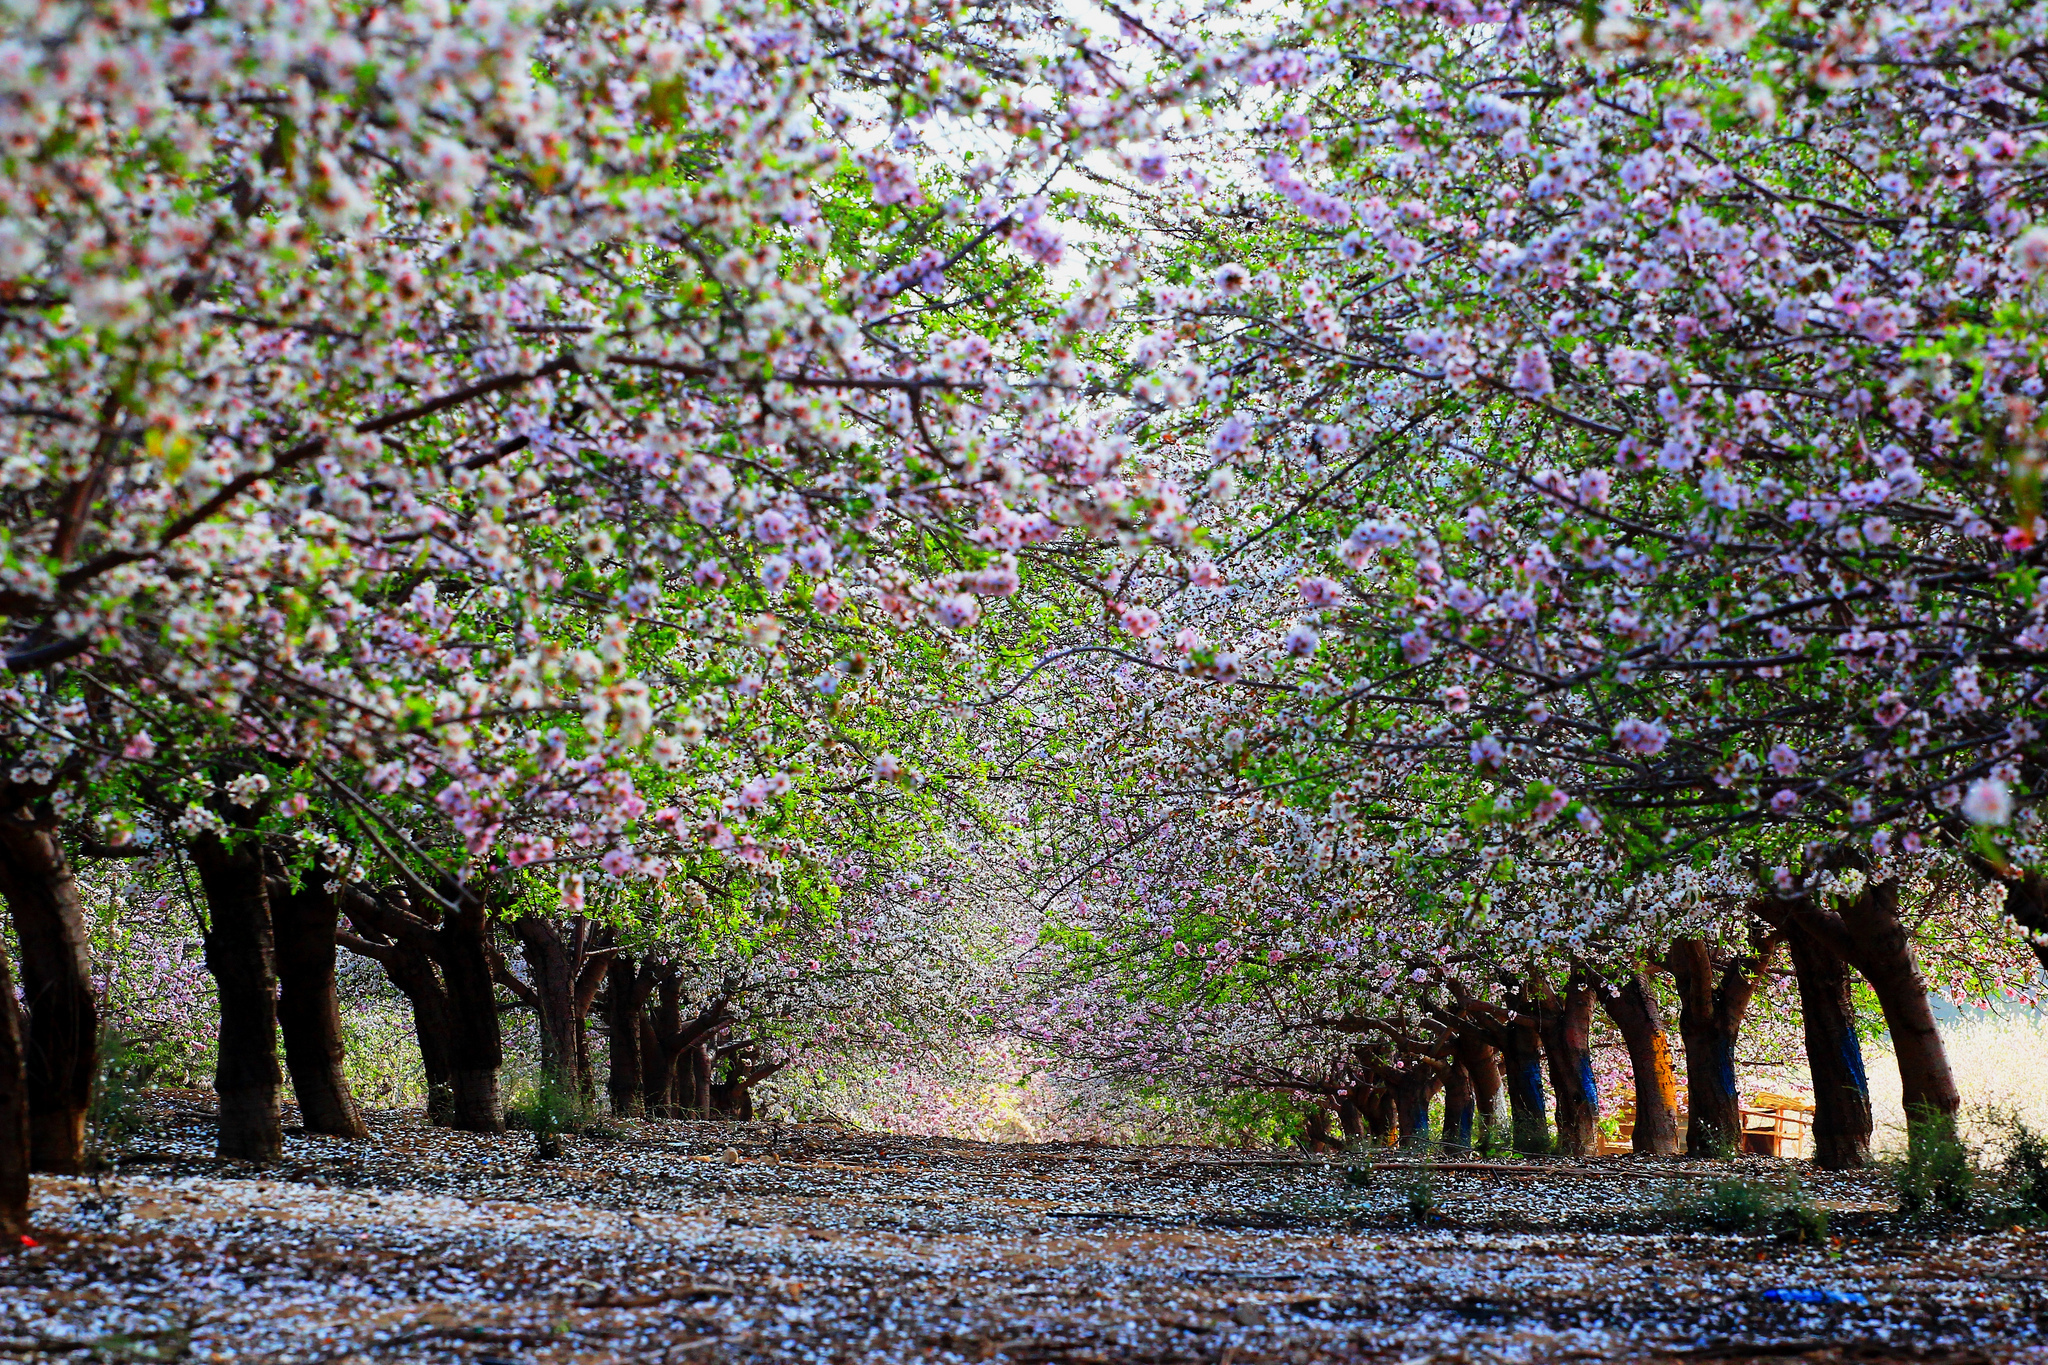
[{"x": 683, "y": 1242}]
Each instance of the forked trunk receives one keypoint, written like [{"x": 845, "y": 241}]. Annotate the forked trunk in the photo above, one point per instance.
[
  {"x": 552, "y": 972},
  {"x": 241, "y": 955},
  {"x": 62, "y": 1039},
  {"x": 475, "y": 1043},
  {"x": 1459, "y": 1108},
  {"x": 1481, "y": 1065},
  {"x": 1884, "y": 955},
  {"x": 1633, "y": 1008},
  {"x": 1841, "y": 1092},
  {"x": 308, "y": 1015},
  {"x": 623, "y": 1082},
  {"x": 1566, "y": 1019},
  {"x": 14, "y": 1148},
  {"x": 1522, "y": 1065},
  {"x": 1714, "y": 992}
]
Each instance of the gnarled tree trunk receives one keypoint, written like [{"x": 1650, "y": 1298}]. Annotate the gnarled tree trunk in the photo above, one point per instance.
[
  {"x": 551, "y": 973},
  {"x": 62, "y": 1041},
  {"x": 1460, "y": 1107},
  {"x": 241, "y": 955},
  {"x": 476, "y": 1050},
  {"x": 624, "y": 999},
  {"x": 1883, "y": 953},
  {"x": 1481, "y": 1066},
  {"x": 1522, "y": 1068},
  {"x": 1566, "y": 1020},
  {"x": 14, "y": 1139},
  {"x": 1412, "y": 1091},
  {"x": 1714, "y": 991},
  {"x": 1841, "y": 1091},
  {"x": 304, "y": 923},
  {"x": 1633, "y": 1007}
]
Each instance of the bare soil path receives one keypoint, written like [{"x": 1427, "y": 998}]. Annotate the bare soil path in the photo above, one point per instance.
[{"x": 681, "y": 1242}]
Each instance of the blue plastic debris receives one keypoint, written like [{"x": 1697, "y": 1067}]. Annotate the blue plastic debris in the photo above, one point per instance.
[{"x": 1813, "y": 1296}]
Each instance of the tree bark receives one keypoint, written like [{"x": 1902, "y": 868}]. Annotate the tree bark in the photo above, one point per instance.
[
  {"x": 241, "y": 955},
  {"x": 62, "y": 1039},
  {"x": 624, "y": 1000},
  {"x": 551, "y": 972},
  {"x": 1378, "y": 1107},
  {"x": 1522, "y": 1062},
  {"x": 397, "y": 942},
  {"x": 1460, "y": 1106},
  {"x": 1633, "y": 1008},
  {"x": 1349, "y": 1117},
  {"x": 304, "y": 923},
  {"x": 14, "y": 1107},
  {"x": 1566, "y": 1021},
  {"x": 1883, "y": 952},
  {"x": 1481, "y": 1067},
  {"x": 1714, "y": 993},
  {"x": 1412, "y": 1090},
  {"x": 1841, "y": 1091},
  {"x": 476, "y": 1050}
]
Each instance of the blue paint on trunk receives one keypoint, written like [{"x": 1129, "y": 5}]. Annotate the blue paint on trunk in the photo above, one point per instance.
[
  {"x": 1586, "y": 1082},
  {"x": 1724, "y": 1064},
  {"x": 1852, "y": 1058},
  {"x": 1458, "y": 1127}
]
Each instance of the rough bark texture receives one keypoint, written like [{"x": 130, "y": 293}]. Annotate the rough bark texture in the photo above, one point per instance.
[
  {"x": 1841, "y": 1092},
  {"x": 551, "y": 975},
  {"x": 1349, "y": 1117},
  {"x": 475, "y": 1044},
  {"x": 14, "y": 1140},
  {"x": 388, "y": 933},
  {"x": 1412, "y": 1091},
  {"x": 624, "y": 1000},
  {"x": 1481, "y": 1066},
  {"x": 1714, "y": 991},
  {"x": 1566, "y": 1020},
  {"x": 1883, "y": 953},
  {"x": 62, "y": 1039},
  {"x": 241, "y": 955},
  {"x": 1633, "y": 1007},
  {"x": 1459, "y": 1107},
  {"x": 304, "y": 923},
  {"x": 1522, "y": 1062}
]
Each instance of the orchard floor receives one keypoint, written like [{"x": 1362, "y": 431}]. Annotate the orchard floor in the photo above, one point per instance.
[{"x": 681, "y": 1242}]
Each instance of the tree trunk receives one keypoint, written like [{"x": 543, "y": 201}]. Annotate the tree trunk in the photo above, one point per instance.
[
  {"x": 1378, "y": 1107},
  {"x": 1412, "y": 1091},
  {"x": 241, "y": 955},
  {"x": 698, "y": 1072},
  {"x": 553, "y": 976},
  {"x": 1714, "y": 992},
  {"x": 308, "y": 1015},
  {"x": 623, "y": 1081},
  {"x": 1841, "y": 1092},
  {"x": 1459, "y": 1107},
  {"x": 1481, "y": 1066},
  {"x": 14, "y": 1124},
  {"x": 1633, "y": 1008},
  {"x": 1566, "y": 1020},
  {"x": 62, "y": 1040},
  {"x": 1522, "y": 1062},
  {"x": 475, "y": 1043},
  {"x": 1349, "y": 1117},
  {"x": 1883, "y": 953}
]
